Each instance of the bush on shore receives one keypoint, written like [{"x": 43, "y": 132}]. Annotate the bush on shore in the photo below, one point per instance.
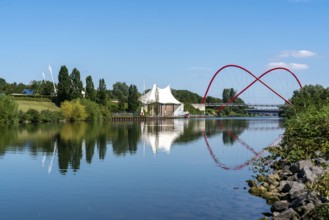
[
  {"x": 306, "y": 135},
  {"x": 73, "y": 110},
  {"x": 8, "y": 110}
]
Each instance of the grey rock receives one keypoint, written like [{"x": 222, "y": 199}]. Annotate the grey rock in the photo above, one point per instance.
[
  {"x": 320, "y": 161},
  {"x": 280, "y": 206},
  {"x": 284, "y": 186},
  {"x": 300, "y": 201},
  {"x": 276, "y": 213},
  {"x": 295, "y": 195},
  {"x": 303, "y": 210},
  {"x": 318, "y": 171},
  {"x": 305, "y": 199},
  {"x": 294, "y": 177},
  {"x": 296, "y": 167},
  {"x": 287, "y": 214},
  {"x": 286, "y": 168},
  {"x": 307, "y": 175},
  {"x": 295, "y": 187}
]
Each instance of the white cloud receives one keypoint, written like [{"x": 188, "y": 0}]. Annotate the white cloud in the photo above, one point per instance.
[
  {"x": 291, "y": 66},
  {"x": 297, "y": 53}
]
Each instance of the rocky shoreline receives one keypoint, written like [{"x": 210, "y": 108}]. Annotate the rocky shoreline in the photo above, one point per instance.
[{"x": 291, "y": 188}]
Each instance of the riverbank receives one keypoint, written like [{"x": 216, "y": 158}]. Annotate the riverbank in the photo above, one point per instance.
[
  {"x": 295, "y": 190},
  {"x": 294, "y": 178}
]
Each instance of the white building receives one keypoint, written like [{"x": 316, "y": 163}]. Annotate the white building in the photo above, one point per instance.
[{"x": 161, "y": 102}]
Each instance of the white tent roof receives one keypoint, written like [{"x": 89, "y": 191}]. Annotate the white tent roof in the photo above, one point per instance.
[{"x": 156, "y": 94}]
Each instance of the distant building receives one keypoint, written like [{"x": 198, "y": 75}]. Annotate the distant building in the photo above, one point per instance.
[
  {"x": 28, "y": 92},
  {"x": 161, "y": 102}
]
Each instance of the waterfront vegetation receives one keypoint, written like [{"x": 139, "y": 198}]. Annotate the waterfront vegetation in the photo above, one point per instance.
[{"x": 294, "y": 177}]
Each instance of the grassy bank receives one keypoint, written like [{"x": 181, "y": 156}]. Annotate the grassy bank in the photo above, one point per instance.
[{"x": 25, "y": 105}]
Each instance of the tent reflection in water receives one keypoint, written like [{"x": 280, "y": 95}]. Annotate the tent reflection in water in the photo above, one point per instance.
[
  {"x": 161, "y": 103},
  {"x": 160, "y": 135}
]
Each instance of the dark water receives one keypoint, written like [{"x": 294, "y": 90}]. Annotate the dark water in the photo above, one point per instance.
[{"x": 172, "y": 169}]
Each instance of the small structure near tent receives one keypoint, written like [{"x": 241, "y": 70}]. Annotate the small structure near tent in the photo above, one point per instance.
[
  {"x": 161, "y": 103},
  {"x": 28, "y": 92}
]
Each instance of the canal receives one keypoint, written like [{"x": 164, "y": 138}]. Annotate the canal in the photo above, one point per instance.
[{"x": 167, "y": 169}]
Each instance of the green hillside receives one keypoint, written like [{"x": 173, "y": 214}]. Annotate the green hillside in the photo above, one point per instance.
[{"x": 24, "y": 105}]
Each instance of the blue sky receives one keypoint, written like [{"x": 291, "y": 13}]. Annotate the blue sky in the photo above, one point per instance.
[{"x": 176, "y": 42}]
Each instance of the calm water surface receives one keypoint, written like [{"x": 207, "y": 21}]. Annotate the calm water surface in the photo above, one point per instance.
[{"x": 171, "y": 169}]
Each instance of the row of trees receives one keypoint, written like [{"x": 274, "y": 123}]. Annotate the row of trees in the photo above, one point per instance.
[
  {"x": 70, "y": 87},
  {"x": 40, "y": 87}
]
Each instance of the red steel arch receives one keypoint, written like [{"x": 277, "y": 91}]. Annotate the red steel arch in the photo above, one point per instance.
[{"x": 256, "y": 79}]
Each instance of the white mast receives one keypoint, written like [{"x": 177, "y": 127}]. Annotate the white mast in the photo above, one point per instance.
[{"x": 51, "y": 73}]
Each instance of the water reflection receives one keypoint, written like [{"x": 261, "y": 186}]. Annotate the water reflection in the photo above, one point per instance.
[
  {"x": 232, "y": 129},
  {"x": 70, "y": 144}
]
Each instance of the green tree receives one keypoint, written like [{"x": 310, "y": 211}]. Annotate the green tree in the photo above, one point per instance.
[
  {"x": 47, "y": 88},
  {"x": 90, "y": 89},
  {"x": 228, "y": 94},
  {"x": 132, "y": 98},
  {"x": 102, "y": 93},
  {"x": 8, "y": 110},
  {"x": 76, "y": 84},
  {"x": 308, "y": 96},
  {"x": 2, "y": 83},
  {"x": 211, "y": 99},
  {"x": 35, "y": 86},
  {"x": 5, "y": 87},
  {"x": 120, "y": 91},
  {"x": 64, "y": 84},
  {"x": 186, "y": 96}
]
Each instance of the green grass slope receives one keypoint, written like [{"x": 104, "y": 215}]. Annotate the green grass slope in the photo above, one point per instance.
[{"x": 24, "y": 105}]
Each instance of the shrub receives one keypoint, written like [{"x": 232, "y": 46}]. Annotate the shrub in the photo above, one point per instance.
[
  {"x": 307, "y": 133},
  {"x": 92, "y": 109},
  {"x": 8, "y": 110},
  {"x": 73, "y": 110},
  {"x": 50, "y": 116},
  {"x": 32, "y": 115}
]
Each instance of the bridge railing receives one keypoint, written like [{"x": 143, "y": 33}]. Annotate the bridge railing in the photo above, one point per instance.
[{"x": 243, "y": 105}]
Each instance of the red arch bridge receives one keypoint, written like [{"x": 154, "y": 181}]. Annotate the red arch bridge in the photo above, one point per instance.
[{"x": 269, "y": 108}]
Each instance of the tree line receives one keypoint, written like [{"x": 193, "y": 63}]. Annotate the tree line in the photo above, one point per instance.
[{"x": 79, "y": 102}]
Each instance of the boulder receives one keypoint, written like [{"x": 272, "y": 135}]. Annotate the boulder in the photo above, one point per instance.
[
  {"x": 305, "y": 209},
  {"x": 295, "y": 187},
  {"x": 284, "y": 186},
  {"x": 260, "y": 178},
  {"x": 280, "y": 206},
  {"x": 287, "y": 214},
  {"x": 296, "y": 167},
  {"x": 295, "y": 195},
  {"x": 257, "y": 190},
  {"x": 318, "y": 171},
  {"x": 251, "y": 183},
  {"x": 304, "y": 200},
  {"x": 307, "y": 175}
]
